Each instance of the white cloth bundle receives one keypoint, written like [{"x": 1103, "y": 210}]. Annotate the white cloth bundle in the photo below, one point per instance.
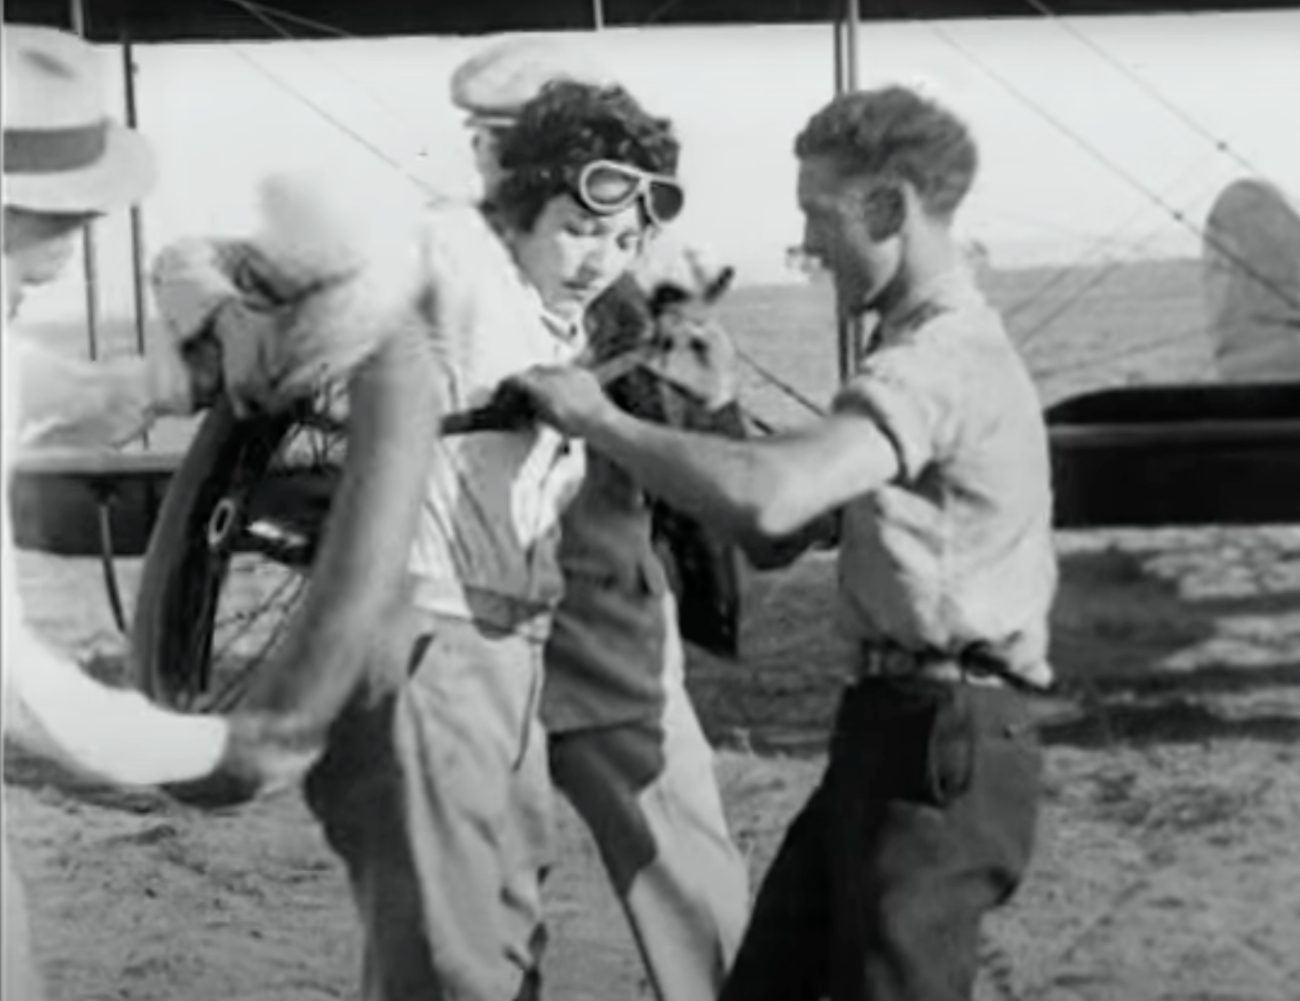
[{"x": 330, "y": 272}]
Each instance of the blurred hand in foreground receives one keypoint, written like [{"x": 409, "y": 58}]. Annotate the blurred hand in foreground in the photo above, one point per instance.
[{"x": 265, "y": 753}]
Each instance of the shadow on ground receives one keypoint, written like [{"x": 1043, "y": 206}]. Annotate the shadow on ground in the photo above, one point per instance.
[{"x": 1141, "y": 656}]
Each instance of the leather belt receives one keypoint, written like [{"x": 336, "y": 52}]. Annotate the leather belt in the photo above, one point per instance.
[{"x": 887, "y": 661}]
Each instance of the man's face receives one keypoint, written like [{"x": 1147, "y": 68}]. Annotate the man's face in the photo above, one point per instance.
[
  {"x": 41, "y": 242},
  {"x": 485, "y": 141},
  {"x": 571, "y": 255},
  {"x": 37, "y": 247},
  {"x": 838, "y": 233}
]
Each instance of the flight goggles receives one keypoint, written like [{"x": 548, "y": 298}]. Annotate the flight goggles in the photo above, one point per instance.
[{"x": 608, "y": 186}]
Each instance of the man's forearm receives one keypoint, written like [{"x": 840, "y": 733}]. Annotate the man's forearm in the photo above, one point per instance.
[
  {"x": 759, "y": 491},
  {"x": 718, "y": 480},
  {"x": 68, "y": 402}
]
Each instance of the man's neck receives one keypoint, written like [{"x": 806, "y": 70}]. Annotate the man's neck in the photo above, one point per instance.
[{"x": 931, "y": 265}]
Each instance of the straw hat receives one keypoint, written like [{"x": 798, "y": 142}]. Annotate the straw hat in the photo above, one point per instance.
[
  {"x": 496, "y": 82},
  {"x": 61, "y": 151}
]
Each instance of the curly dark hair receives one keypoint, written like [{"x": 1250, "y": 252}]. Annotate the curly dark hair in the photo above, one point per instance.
[
  {"x": 895, "y": 133},
  {"x": 565, "y": 127}
]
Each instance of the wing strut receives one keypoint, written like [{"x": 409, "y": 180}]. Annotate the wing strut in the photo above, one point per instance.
[{"x": 851, "y": 332}]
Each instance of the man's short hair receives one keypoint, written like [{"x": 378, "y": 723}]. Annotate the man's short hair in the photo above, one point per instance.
[
  {"x": 895, "y": 133},
  {"x": 567, "y": 126}
]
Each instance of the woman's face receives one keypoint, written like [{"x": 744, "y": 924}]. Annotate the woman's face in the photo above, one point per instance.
[{"x": 571, "y": 255}]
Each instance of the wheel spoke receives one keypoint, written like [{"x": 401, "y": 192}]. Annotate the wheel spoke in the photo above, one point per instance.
[
  {"x": 237, "y": 684},
  {"x": 251, "y": 617},
  {"x": 224, "y": 611}
]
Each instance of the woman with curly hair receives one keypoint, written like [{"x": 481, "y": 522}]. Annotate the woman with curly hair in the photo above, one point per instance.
[{"x": 433, "y": 592}]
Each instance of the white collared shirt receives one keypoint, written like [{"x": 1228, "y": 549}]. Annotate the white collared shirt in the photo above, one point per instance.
[
  {"x": 489, "y": 528},
  {"x": 957, "y": 551}
]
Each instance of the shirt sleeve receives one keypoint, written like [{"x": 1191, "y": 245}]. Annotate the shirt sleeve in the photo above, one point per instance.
[
  {"x": 66, "y": 401},
  {"x": 53, "y": 707},
  {"x": 113, "y": 734},
  {"x": 912, "y": 391}
]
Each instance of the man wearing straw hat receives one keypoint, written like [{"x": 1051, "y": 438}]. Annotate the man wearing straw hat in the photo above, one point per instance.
[
  {"x": 66, "y": 163},
  {"x": 625, "y": 745}
]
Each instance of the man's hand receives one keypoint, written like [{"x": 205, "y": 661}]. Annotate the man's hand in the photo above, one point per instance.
[
  {"x": 264, "y": 753},
  {"x": 568, "y": 398}
]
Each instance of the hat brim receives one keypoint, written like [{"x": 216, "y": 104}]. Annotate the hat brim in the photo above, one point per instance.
[{"x": 121, "y": 177}]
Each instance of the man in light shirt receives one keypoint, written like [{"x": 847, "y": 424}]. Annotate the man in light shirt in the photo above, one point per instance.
[
  {"x": 66, "y": 163},
  {"x": 937, "y": 454}
]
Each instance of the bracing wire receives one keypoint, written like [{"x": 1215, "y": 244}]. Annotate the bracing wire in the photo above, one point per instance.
[
  {"x": 1098, "y": 247},
  {"x": 267, "y": 16},
  {"x": 1103, "y": 243},
  {"x": 776, "y": 381},
  {"x": 1045, "y": 323},
  {"x": 1220, "y": 145},
  {"x": 333, "y": 120},
  {"x": 1103, "y": 275},
  {"x": 291, "y": 18},
  {"x": 1118, "y": 169}
]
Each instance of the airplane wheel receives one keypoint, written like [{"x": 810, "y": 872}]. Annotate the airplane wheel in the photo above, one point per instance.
[{"x": 228, "y": 557}]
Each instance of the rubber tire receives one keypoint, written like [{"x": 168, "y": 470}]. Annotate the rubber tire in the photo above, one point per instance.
[{"x": 178, "y": 560}]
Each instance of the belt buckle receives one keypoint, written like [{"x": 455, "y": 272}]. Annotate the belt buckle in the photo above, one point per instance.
[
  {"x": 883, "y": 661},
  {"x": 879, "y": 661}
]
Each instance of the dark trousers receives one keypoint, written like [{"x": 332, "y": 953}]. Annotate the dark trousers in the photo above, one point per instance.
[{"x": 923, "y": 823}]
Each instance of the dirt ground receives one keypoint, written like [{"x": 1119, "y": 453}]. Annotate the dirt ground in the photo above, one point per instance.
[{"x": 1168, "y": 862}]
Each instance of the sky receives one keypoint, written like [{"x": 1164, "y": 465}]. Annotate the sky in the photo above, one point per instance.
[{"x": 1095, "y": 133}]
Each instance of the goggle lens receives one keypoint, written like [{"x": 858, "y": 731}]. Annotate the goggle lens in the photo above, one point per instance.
[{"x": 607, "y": 187}]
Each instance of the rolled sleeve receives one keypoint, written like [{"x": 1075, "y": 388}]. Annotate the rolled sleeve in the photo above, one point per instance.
[{"x": 911, "y": 391}]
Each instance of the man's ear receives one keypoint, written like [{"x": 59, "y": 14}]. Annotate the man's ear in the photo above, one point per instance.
[{"x": 885, "y": 208}]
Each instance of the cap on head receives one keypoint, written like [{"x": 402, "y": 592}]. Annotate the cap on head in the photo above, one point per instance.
[
  {"x": 62, "y": 154},
  {"x": 499, "y": 80}
]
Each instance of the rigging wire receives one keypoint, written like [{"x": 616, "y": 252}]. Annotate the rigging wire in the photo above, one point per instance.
[
  {"x": 1112, "y": 268},
  {"x": 1119, "y": 170},
  {"x": 266, "y": 15},
  {"x": 1220, "y": 145},
  {"x": 775, "y": 380},
  {"x": 306, "y": 22},
  {"x": 1099, "y": 247},
  {"x": 333, "y": 120}
]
